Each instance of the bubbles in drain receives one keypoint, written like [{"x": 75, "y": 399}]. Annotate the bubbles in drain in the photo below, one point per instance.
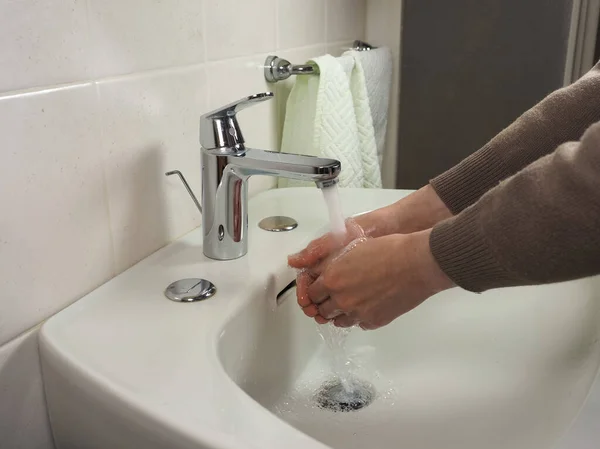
[{"x": 345, "y": 396}]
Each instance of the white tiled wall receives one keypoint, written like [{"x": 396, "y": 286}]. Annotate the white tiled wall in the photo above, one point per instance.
[{"x": 98, "y": 98}]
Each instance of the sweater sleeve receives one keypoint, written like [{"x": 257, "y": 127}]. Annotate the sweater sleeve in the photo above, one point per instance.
[
  {"x": 540, "y": 226},
  {"x": 561, "y": 117}
]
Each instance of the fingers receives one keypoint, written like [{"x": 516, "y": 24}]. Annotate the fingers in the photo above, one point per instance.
[
  {"x": 316, "y": 292},
  {"x": 311, "y": 291},
  {"x": 311, "y": 311},
  {"x": 368, "y": 326},
  {"x": 345, "y": 321},
  {"x": 317, "y": 269},
  {"x": 303, "y": 281},
  {"x": 320, "y": 320},
  {"x": 313, "y": 253},
  {"x": 330, "y": 309}
]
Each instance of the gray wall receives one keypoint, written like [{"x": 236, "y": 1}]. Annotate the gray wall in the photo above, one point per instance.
[{"x": 469, "y": 68}]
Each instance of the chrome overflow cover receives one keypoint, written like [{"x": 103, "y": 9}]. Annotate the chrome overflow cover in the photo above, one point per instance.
[
  {"x": 190, "y": 290},
  {"x": 278, "y": 224}
]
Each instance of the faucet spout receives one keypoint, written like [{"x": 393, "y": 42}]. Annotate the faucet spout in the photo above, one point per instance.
[{"x": 321, "y": 171}]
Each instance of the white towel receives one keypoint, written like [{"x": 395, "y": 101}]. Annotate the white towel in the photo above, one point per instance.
[
  {"x": 364, "y": 122},
  {"x": 339, "y": 100},
  {"x": 377, "y": 68}
]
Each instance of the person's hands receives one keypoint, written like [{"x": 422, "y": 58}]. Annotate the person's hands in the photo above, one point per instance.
[
  {"x": 373, "y": 282},
  {"x": 418, "y": 211}
]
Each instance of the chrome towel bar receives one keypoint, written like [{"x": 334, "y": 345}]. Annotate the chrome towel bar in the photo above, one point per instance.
[{"x": 279, "y": 69}]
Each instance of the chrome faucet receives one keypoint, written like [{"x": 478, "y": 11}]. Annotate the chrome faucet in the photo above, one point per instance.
[{"x": 226, "y": 166}]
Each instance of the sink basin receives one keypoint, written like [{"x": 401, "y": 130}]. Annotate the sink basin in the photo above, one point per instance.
[
  {"x": 506, "y": 369},
  {"x": 124, "y": 367}
]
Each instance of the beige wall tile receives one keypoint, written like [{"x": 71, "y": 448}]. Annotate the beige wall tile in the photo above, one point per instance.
[
  {"x": 300, "y": 23},
  {"x": 55, "y": 242},
  {"x": 238, "y": 28},
  {"x": 135, "y": 35},
  {"x": 345, "y": 20},
  {"x": 43, "y": 43},
  {"x": 150, "y": 126}
]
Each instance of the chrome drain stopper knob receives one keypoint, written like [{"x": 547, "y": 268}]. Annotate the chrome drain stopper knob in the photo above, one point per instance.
[
  {"x": 190, "y": 290},
  {"x": 278, "y": 223}
]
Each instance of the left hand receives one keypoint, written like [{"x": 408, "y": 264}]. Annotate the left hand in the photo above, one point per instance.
[{"x": 373, "y": 283}]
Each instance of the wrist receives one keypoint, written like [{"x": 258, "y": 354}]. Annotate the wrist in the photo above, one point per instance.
[
  {"x": 377, "y": 223},
  {"x": 418, "y": 211},
  {"x": 430, "y": 274}
]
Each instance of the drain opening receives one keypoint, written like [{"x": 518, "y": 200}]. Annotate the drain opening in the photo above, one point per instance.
[{"x": 336, "y": 396}]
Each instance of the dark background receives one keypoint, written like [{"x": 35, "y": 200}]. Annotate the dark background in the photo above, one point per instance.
[{"x": 469, "y": 68}]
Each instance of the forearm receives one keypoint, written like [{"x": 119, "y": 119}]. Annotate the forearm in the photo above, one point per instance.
[
  {"x": 561, "y": 117},
  {"x": 418, "y": 211},
  {"x": 539, "y": 226}
]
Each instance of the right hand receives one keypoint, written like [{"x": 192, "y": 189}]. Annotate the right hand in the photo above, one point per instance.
[{"x": 400, "y": 274}]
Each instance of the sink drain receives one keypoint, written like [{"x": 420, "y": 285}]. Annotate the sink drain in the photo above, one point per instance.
[{"x": 348, "y": 396}]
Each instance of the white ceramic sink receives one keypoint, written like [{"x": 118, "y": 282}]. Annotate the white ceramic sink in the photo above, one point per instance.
[{"x": 125, "y": 368}]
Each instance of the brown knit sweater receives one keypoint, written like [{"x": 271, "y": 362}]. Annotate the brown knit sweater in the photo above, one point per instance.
[{"x": 527, "y": 204}]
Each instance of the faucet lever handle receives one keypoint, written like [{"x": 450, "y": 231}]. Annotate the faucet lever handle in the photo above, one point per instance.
[
  {"x": 219, "y": 129},
  {"x": 233, "y": 108}
]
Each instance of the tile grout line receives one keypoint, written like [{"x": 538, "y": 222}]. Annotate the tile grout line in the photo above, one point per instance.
[
  {"x": 42, "y": 89},
  {"x": 148, "y": 72},
  {"x": 102, "y": 144},
  {"x": 102, "y": 141}
]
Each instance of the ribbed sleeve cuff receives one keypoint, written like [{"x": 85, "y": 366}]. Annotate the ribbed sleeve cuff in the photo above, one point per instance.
[
  {"x": 459, "y": 247},
  {"x": 560, "y": 118},
  {"x": 466, "y": 182}
]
